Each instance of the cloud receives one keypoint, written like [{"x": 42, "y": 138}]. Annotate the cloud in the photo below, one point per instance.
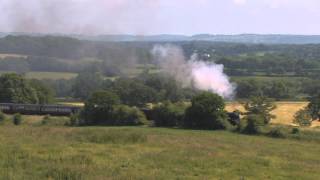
[{"x": 240, "y": 2}]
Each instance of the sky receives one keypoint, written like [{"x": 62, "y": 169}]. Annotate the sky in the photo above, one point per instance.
[{"x": 147, "y": 17}]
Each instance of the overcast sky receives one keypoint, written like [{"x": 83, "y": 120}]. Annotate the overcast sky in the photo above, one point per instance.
[{"x": 145, "y": 17}]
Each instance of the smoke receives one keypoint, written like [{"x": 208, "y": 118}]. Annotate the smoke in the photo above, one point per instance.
[
  {"x": 206, "y": 76},
  {"x": 90, "y": 17}
]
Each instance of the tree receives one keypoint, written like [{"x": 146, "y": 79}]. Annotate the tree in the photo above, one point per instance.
[
  {"x": 254, "y": 123},
  {"x": 44, "y": 93},
  {"x": 128, "y": 116},
  {"x": 314, "y": 107},
  {"x": 262, "y": 106},
  {"x": 98, "y": 108},
  {"x": 206, "y": 112},
  {"x": 303, "y": 117},
  {"x": 168, "y": 114},
  {"x": 247, "y": 88},
  {"x": 134, "y": 93},
  {"x": 16, "y": 89},
  {"x": 87, "y": 83}
]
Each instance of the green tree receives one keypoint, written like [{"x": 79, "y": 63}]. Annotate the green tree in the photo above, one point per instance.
[
  {"x": 314, "y": 107},
  {"x": 206, "y": 112},
  {"x": 16, "y": 89},
  {"x": 124, "y": 115},
  {"x": 169, "y": 114},
  {"x": 87, "y": 83},
  {"x": 44, "y": 93},
  {"x": 98, "y": 109},
  {"x": 261, "y": 106},
  {"x": 134, "y": 93},
  {"x": 254, "y": 124},
  {"x": 303, "y": 117}
]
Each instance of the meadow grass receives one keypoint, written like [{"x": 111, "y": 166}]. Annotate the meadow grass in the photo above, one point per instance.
[
  {"x": 50, "y": 75},
  {"x": 31, "y": 151}
]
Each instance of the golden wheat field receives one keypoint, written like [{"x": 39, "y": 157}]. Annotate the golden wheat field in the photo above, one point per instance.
[{"x": 284, "y": 112}]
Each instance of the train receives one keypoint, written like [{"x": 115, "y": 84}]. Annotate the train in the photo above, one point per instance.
[{"x": 39, "y": 109}]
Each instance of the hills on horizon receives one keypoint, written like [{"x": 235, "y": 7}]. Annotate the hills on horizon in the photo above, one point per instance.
[{"x": 240, "y": 38}]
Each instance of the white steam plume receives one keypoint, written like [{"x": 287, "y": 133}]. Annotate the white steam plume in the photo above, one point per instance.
[{"x": 206, "y": 76}]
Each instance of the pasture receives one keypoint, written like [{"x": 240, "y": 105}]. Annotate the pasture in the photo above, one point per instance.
[
  {"x": 46, "y": 75},
  {"x": 36, "y": 151}
]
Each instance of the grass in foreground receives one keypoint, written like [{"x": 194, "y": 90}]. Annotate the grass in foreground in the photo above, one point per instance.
[{"x": 46, "y": 152}]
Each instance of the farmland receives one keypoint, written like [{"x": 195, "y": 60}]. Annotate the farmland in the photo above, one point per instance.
[
  {"x": 47, "y": 75},
  {"x": 284, "y": 112}
]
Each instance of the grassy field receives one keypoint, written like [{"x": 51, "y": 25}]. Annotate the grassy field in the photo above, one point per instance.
[
  {"x": 33, "y": 151},
  {"x": 47, "y": 75},
  {"x": 268, "y": 78},
  {"x": 50, "y": 75}
]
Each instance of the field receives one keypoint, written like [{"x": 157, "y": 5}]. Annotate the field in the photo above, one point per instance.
[
  {"x": 12, "y": 55},
  {"x": 269, "y": 78},
  {"x": 50, "y": 75},
  {"x": 47, "y": 75},
  {"x": 33, "y": 151},
  {"x": 284, "y": 112}
]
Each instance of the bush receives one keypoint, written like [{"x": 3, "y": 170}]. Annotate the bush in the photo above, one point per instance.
[
  {"x": 45, "y": 120},
  {"x": 295, "y": 131},
  {"x": 277, "y": 133},
  {"x": 127, "y": 116},
  {"x": 303, "y": 118},
  {"x": 254, "y": 124},
  {"x": 17, "y": 119},
  {"x": 168, "y": 114},
  {"x": 75, "y": 120},
  {"x": 2, "y": 116},
  {"x": 207, "y": 112}
]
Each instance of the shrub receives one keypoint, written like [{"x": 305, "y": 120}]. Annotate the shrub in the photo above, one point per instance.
[
  {"x": 45, "y": 119},
  {"x": 17, "y": 119},
  {"x": 206, "y": 112},
  {"x": 277, "y": 133},
  {"x": 254, "y": 124},
  {"x": 168, "y": 114},
  {"x": 303, "y": 118},
  {"x": 75, "y": 120},
  {"x": 295, "y": 131},
  {"x": 2, "y": 116},
  {"x": 127, "y": 116}
]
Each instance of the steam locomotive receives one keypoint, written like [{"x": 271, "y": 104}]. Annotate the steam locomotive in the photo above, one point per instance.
[{"x": 38, "y": 109}]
